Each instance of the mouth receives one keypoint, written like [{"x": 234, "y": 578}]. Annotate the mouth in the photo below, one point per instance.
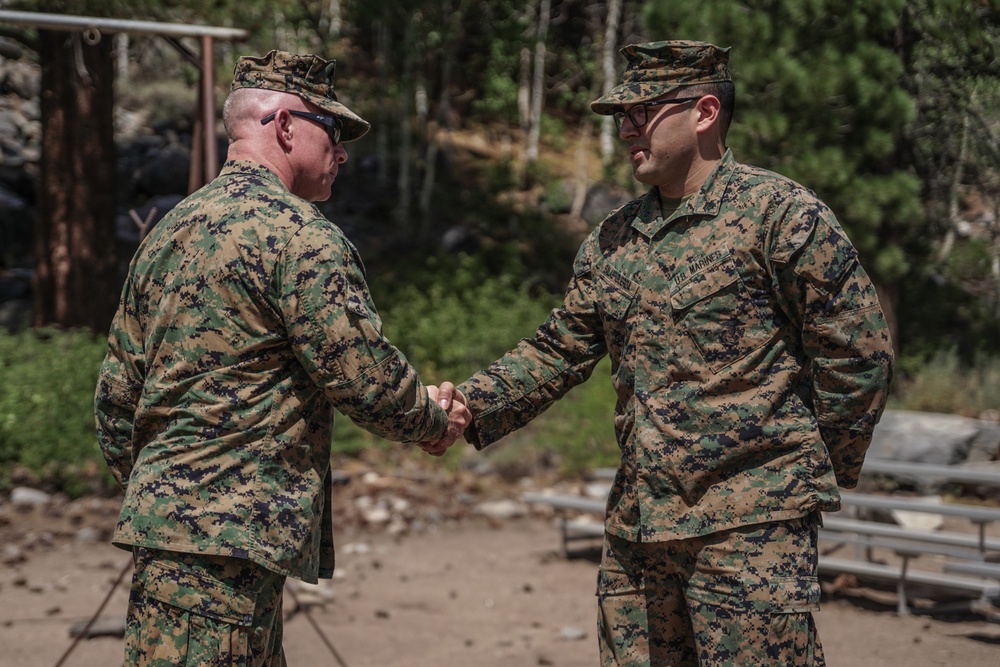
[{"x": 635, "y": 151}]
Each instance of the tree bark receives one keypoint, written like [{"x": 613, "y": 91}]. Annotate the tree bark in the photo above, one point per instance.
[
  {"x": 608, "y": 67},
  {"x": 538, "y": 82},
  {"x": 76, "y": 276}
]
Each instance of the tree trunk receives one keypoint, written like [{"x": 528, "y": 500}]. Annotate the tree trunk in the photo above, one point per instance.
[
  {"x": 538, "y": 82},
  {"x": 440, "y": 140},
  {"x": 524, "y": 90},
  {"x": 76, "y": 276},
  {"x": 955, "y": 192},
  {"x": 403, "y": 181},
  {"x": 610, "y": 78},
  {"x": 382, "y": 129},
  {"x": 330, "y": 20},
  {"x": 888, "y": 296}
]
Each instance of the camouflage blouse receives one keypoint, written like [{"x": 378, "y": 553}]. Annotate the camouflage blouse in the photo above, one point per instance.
[
  {"x": 244, "y": 322},
  {"x": 749, "y": 353}
]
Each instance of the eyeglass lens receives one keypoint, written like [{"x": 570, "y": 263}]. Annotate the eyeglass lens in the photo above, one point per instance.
[{"x": 636, "y": 115}]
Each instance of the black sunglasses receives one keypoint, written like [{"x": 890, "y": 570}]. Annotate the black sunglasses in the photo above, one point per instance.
[
  {"x": 332, "y": 124},
  {"x": 638, "y": 115}
]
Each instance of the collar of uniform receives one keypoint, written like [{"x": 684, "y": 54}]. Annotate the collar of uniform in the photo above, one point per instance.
[
  {"x": 705, "y": 202},
  {"x": 250, "y": 168}
]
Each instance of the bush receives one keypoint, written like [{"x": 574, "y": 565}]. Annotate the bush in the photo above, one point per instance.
[
  {"x": 47, "y": 382},
  {"x": 945, "y": 385}
]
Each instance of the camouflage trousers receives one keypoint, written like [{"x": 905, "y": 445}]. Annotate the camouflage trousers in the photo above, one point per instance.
[
  {"x": 203, "y": 611},
  {"x": 742, "y": 597}
]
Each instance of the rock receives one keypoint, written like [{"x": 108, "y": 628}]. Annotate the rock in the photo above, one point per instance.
[
  {"x": 166, "y": 173},
  {"x": 24, "y": 80},
  {"x": 501, "y": 509},
  {"x": 88, "y": 535},
  {"x": 12, "y": 555},
  {"x": 940, "y": 439},
  {"x": 311, "y": 595},
  {"x": 23, "y": 496},
  {"x": 359, "y": 548},
  {"x": 15, "y": 315},
  {"x": 570, "y": 633},
  {"x": 377, "y": 515},
  {"x": 397, "y": 527},
  {"x": 601, "y": 200},
  {"x": 597, "y": 490},
  {"x": 105, "y": 626}
]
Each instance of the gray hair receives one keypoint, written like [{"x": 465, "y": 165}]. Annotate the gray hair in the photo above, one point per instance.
[{"x": 245, "y": 105}]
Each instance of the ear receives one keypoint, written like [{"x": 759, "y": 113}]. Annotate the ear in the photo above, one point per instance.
[
  {"x": 708, "y": 109},
  {"x": 283, "y": 129}
]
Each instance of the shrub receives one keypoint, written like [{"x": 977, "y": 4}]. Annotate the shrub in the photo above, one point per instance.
[
  {"x": 945, "y": 385},
  {"x": 47, "y": 381}
]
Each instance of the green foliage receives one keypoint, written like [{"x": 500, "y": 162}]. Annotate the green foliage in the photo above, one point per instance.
[
  {"x": 47, "y": 381},
  {"x": 946, "y": 384},
  {"x": 819, "y": 101},
  {"x": 167, "y": 100},
  {"x": 461, "y": 319},
  {"x": 498, "y": 101},
  {"x": 970, "y": 260},
  {"x": 457, "y": 321},
  {"x": 943, "y": 314}
]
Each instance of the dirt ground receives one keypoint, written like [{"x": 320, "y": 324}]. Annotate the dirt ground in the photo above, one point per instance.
[{"x": 454, "y": 591}]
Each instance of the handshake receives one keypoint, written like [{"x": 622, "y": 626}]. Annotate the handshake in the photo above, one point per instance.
[{"x": 459, "y": 417}]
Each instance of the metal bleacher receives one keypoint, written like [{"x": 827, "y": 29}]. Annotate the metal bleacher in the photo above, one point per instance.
[{"x": 956, "y": 562}]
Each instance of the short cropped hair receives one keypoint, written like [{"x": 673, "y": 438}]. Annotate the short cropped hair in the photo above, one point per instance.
[{"x": 725, "y": 91}]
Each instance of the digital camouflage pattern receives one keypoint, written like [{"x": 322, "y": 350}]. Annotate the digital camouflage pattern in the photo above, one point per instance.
[
  {"x": 748, "y": 350},
  {"x": 656, "y": 68},
  {"x": 741, "y": 598},
  {"x": 244, "y": 322},
  {"x": 308, "y": 76},
  {"x": 203, "y": 611}
]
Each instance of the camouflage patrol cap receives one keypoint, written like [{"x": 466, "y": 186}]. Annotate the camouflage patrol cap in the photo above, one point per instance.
[
  {"x": 656, "y": 68},
  {"x": 308, "y": 76}
]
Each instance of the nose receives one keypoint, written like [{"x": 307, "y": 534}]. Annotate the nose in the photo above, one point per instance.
[
  {"x": 627, "y": 129},
  {"x": 340, "y": 153}
]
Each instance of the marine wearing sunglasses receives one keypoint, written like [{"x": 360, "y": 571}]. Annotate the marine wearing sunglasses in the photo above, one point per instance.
[{"x": 332, "y": 124}]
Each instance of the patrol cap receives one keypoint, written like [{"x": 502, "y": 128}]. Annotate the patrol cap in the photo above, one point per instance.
[
  {"x": 656, "y": 68},
  {"x": 308, "y": 76}
]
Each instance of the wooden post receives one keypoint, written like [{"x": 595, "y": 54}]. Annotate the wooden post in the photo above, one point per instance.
[{"x": 211, "y": 153}]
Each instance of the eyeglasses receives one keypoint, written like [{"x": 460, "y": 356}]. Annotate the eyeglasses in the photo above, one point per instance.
[
  {"x": 638, "y": 115},
  {"x": 332, "y": 124}
]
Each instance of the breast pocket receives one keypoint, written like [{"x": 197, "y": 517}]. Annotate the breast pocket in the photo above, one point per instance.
[
  {"x": 616, "y": 296},
  {"x": 723, "y": 319}
]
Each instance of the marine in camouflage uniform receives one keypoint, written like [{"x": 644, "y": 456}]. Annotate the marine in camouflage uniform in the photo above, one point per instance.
[
  {"x": 751, "y": 361},
  {"x": 245, "y": 321}
]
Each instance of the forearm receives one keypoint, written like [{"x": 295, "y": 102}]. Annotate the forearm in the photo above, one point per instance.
[
  {"x": 389, "y": 400},
  {"x": 853, "y": 372},
  {"x": 114, "y": 409}
]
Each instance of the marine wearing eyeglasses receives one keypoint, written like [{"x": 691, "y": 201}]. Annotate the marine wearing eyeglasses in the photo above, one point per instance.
[
  {"x": 245, "y": 324},
  {"x": 637, "y": 114},
  {"x": 750, "y": 360}
]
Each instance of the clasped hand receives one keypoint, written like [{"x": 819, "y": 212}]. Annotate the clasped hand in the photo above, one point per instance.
[{"x": 459, "y": 417}]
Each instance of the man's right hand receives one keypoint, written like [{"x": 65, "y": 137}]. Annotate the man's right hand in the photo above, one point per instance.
[{"x": 459, "y": 417}]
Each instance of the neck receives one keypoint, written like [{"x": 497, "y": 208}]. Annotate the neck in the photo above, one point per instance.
[
  {"x": 241, "y": 150},
  {"x": 697, "y": 173}
]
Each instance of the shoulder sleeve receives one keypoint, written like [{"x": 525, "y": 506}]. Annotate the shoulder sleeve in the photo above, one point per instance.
[
  {"x": 336, "y": 335},
  {"x": 119, "y": 387},
  {"x": 827, "y": 293}
]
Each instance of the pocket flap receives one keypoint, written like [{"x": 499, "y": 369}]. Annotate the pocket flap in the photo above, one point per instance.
[
  {"x": 199, "y": 595},
  {"x": 703, "y": 284}
]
